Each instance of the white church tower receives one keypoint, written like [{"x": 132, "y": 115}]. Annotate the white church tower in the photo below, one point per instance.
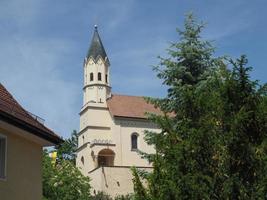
[
  {"x": 96, "y": 74},
  {"x": 111, "y": 128},
  {"x": 95, "y": 119}
]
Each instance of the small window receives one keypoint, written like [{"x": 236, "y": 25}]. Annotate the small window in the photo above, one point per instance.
[
  {"x": 106, "y": 78},
  {"x": 134, "y": 142},
  {"x": 3, "y": 147},
  {"x": 91, "y": 76},
  {"x": 99, "y": 76},
  {"x": 82, "y": 160},
  {"x": 83, "y": 139}
]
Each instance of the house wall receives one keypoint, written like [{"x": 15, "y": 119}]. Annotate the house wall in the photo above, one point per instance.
[{"x": 24, "y": 177}]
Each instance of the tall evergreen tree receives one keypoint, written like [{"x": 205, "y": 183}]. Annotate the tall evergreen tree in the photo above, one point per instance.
[
  {"x": 212, "y": 143},
  {"x": 184, "y": 166},
  {"x": 244, "y": 128}
]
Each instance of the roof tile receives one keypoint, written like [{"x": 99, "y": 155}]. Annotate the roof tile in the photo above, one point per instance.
[{"x": 130, "y": 106}]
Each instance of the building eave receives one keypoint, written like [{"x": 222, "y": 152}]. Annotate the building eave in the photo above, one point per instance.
[{"x": 30, "y": 129}]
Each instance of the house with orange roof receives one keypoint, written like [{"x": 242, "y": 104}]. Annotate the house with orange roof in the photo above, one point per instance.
[
  {"x": 111, "y": 128},
  {"x": 22, "y": 137}
]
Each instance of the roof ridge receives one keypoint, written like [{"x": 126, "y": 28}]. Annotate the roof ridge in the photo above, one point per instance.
[{"x": 127, "y": 95}]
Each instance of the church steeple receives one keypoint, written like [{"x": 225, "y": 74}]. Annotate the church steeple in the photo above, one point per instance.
[
  {"x": 96, "y": 74},
  {"x": 96, "y": 48}
]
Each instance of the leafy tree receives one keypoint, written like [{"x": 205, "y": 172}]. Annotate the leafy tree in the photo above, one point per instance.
[
  {"x": 103, "y": 196},
  {"x": 48, "y": 173},
  {"x": 64, "y": 181},
  {"x": 124, "y": 197},
  {"x": 67, "y": 150}
]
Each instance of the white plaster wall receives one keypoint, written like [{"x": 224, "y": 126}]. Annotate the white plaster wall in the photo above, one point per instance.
[
  {"x": 90, "y": 152},
  {"x": 96, "y": 180},
  {"x": 88, "y": 164},
  {"x": 95, "y": 90},
  {"x": 122, "y": 136},
  {"x": 91, "y": 134},
  {"x": 97, "y": 117},
  {"x": 113, "y": 180},
  {"x": 119, "y": 136},
  {"x": 98, "y": 122}
]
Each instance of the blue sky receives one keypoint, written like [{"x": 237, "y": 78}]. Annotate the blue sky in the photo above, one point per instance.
[{"x": 43, "y": 44}]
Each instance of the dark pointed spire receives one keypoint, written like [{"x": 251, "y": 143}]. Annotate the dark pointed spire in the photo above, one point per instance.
[{"x": 96, "y": 49}]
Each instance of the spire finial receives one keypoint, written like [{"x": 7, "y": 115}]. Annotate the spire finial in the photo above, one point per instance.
[{"x": 95, "y": 26}]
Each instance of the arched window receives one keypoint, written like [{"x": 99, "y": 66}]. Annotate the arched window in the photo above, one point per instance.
[
  {"x": 99, "y": 76},
  {"x": 106, "y": 78},
  {"x": 82, "y": 160},
  {"x": 91, "y": 76},
  {"x": 134, "y": 141}
]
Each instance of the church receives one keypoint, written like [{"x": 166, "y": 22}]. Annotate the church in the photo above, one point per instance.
[{"x": 111, "y": 127}]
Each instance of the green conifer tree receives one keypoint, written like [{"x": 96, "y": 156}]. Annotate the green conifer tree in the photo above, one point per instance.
[
  {"x": 244, "y": 128},
  {"x": 184, "y": 164},
  {"x": 212, "y": 143}
]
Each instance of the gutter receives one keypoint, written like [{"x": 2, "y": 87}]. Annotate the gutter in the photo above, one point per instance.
[{"x": 30, "y": 128}]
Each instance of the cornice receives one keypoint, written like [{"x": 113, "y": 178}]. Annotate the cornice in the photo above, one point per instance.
[
  {"x": 94, "y": 127},
  {"x": 96, "y": 84}
]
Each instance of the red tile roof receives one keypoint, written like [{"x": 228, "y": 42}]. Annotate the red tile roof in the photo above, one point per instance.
[
  {"x": 130, "y": 106},
  {"x": 11, "y": 110}
]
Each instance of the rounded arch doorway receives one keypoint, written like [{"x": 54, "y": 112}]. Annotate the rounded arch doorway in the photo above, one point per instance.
[{"x": 105, "y": 158}]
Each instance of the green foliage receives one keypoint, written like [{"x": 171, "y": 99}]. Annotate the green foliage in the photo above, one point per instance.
[
  {"x": 67, "y": 150},
  {"x": 243, "y": 124},
  {"x": 103, "y": 196},
  {"x": 213, "y": 139},
  {"x": 64, "y": 181},
  {"x": 125, "y": 197},
  {"x": 183, "y": 163},
  {"x": 140, "y": 192}
]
